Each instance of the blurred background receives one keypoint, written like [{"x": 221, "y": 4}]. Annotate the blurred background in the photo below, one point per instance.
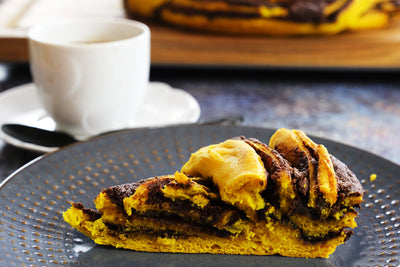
[{"x": 344, "y": 88}]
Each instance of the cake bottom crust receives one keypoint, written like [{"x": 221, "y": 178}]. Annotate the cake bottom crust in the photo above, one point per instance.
[{"x": 262, "y": 238}]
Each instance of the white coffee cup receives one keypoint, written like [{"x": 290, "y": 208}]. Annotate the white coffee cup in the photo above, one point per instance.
[{"x": 91, "y": 74}]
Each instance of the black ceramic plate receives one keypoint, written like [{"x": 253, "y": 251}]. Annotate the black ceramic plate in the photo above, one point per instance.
[{"x": 32, "y": 231}]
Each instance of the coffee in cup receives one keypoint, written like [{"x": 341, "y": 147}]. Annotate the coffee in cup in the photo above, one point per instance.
[{"x": 91, "y": 74}]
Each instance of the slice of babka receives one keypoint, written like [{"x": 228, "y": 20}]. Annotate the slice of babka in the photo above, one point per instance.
[
  {"x": 267, "y": 17},
  {"x": 240, "y": 196}
]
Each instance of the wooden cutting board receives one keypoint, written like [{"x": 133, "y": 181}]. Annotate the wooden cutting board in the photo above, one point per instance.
[{"x": 374, "y": 49}]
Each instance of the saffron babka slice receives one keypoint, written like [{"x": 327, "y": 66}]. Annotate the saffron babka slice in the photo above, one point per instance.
[
  {"x": 267, "y": 16},
  {"x": 241, "y": 196}
]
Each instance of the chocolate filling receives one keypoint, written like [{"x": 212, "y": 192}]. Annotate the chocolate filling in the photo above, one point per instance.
[
  {"x": 308, "y": 238},
  {"x": 318, "y": 239},
  {"x": 92, "y": 213},
  {"x": 348, "y": 184},
  {"x": 321, "y": 204},
  {"x": 303, "y": 11},
  {"x": 214, "y": 213},
  {"x": 191, "y": 228},
  {"x": 117, "y": 193},
  {"x": 194, "y": 230},
  {"x": 170, "y": 223}
]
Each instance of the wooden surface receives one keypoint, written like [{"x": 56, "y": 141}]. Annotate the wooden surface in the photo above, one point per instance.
[{"x": 375, "y": 49}]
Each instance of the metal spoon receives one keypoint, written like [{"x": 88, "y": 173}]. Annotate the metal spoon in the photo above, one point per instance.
[
  {"x": 48, "y": 138},
  {"x": 38, "y": 136}
]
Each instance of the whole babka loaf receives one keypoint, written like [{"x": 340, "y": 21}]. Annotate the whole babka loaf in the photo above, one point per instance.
[
  {"x": 241, "y": 196},
  {"x": 267, "y": 16}
]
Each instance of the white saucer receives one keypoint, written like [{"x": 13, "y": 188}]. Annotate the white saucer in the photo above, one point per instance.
[{"x": 163, "y": 105}]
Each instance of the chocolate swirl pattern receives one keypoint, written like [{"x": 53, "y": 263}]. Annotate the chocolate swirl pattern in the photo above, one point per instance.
[
  {"x": 241, "y": 196},
  {"x": 296, "y": 17}
]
